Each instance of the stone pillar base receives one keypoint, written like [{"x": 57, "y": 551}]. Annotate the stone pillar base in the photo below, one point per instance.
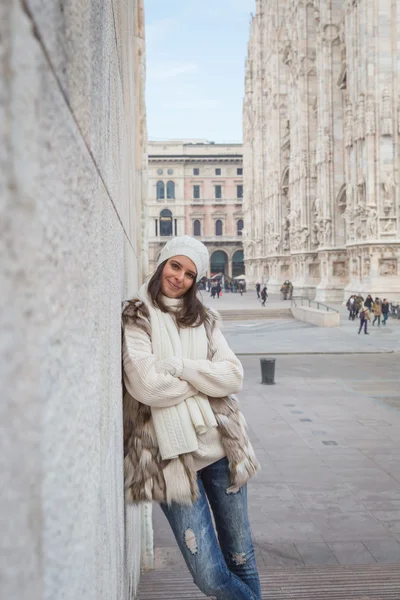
[
  {"x": 301, "y": 289},
  {"x": 329, "y": 293}
]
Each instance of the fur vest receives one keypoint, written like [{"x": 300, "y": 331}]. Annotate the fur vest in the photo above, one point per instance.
[{"x": 143, "y": 465}]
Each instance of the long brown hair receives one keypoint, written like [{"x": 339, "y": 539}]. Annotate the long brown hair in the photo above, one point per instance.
[{"x": 192, "y": 312}]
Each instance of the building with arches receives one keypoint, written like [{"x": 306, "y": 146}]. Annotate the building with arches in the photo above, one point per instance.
[
  {"x": 195, "y": 187},
  {"x": 321, "y": 147}
]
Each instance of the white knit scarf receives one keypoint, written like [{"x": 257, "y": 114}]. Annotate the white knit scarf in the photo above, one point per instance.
[{"x": 177, "y": 427}]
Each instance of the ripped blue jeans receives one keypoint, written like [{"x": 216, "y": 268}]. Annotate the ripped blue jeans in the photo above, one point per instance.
[{"x": 226, "y": 570}]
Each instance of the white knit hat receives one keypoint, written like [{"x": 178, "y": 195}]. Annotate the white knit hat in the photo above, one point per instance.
[{"x": 185, "y": 245}]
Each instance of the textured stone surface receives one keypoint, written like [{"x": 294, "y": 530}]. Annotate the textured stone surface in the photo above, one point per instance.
[
  {"x": 320, "y": 154},
  {"x": 70, "y": 253}
]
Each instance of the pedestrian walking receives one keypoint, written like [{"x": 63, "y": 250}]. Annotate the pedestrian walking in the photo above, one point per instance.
[
  {"x": 197, "y": 468},
  {"x": 364, "y": 318},
  {"x": 368, "y": 302},
  {"x": 258, "y": 287},
  {"x": 264, "y": 295},
  {"x": 218, "y": 289},
  {"x": 377, "y": 310},
  {"x": 359, "y": 303},
  {"x": 351, "y": 307},
  {"x": 385, "y": 311}
]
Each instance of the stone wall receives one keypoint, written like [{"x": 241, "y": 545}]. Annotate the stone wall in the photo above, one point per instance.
[
  {"x": 72, "y": 156},
  {"x": 321, "y": 147}
]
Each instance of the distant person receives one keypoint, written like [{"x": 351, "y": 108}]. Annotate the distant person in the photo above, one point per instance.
[
  {"x": 351, "y": 307},
  {"x": 368, "y": 302},
  {"x": 290, "y": 290},
  {"x": 213, "y": 291},
  {"x": 258, "y": 288},
  {"x": 385, "y": 311},
  {"x": 359, "y": 303},
  {"x": 264, "y": 295},
  {"x": 241, "y": 287},
  {"x": 218, "y": 289},
  {"x": 364, "y": 318},
  {"x": 285, "y": 290},
  {"x": 377, "y": 310}
]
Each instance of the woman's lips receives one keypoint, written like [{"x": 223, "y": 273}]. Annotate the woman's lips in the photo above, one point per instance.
[{"x": 174, "y": 287}]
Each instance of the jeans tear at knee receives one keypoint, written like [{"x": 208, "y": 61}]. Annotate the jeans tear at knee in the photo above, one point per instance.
[
  {"x": 239, "y": 558},
  {"x": 190, "y": 541},
  {"x": 233, "y": 490}
]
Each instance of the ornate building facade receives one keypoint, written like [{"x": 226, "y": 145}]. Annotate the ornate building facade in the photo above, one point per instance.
[
  {"x": 196, "y": 188},
  {"x": 321, "y": 147}
]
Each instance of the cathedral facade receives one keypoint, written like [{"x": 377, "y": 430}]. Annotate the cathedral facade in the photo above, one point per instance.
[{"x": 321, "y": 147}]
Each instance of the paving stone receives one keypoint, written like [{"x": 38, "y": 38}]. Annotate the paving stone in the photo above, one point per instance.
[
  {"x": 389, "y": 518},
  {"x": 351, "y": 553},
  {"x": 168, "y": 558},
  {"x": 339, "y": 500},
  {"x": 316, "y": 553},
  {"x": 280, "y": 555},
  {"x": 384, "y": 551}
]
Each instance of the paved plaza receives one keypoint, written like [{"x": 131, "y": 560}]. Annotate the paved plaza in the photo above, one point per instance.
[{"x": 289, "y": 336}]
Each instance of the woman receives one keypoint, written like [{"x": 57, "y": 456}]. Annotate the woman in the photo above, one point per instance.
[
  {"x": 186, "y": 443},
  {"x": 377, "y": 311}
]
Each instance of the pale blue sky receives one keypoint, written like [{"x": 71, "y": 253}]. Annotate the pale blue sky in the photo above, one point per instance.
[{"x": 196, "y": 51}]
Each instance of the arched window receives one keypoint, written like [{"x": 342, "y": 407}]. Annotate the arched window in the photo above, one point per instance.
[
  {"x": 239, "y": 226},
  {"x": 160, "y": 190},
  {"x": 196, "y": 227},
  {"x": 170, "y": 190},
  {"x": 165, "y": 222},
  {"x": 219, "y": 262},
  {"x": 238, "y": 267},
  {"x": 218, "y": 227}
]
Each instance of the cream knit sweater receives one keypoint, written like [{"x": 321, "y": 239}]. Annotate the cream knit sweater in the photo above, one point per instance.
[{"x": 148, "y": 381}]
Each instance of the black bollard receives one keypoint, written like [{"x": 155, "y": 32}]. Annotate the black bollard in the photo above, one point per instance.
[{"x": 268, "y": 371}]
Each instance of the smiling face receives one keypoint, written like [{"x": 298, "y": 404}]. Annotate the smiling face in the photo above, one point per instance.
[{"x": 178, "y": 276}]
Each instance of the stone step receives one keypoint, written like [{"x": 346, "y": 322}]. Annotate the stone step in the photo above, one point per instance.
[
  {"x": 356, "y": 582},
  {"x": 255, "y": 314}
]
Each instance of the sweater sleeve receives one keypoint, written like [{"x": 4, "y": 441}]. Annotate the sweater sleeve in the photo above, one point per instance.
[
  {"x": 218, "y": 377},
  {"x": 142, "y": 379}
]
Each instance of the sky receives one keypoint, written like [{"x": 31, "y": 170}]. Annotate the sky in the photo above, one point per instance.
[{"x": 196, "y": 52}]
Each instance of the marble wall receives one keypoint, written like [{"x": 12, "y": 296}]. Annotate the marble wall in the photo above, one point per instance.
[
  {"x": 321, "y": 147},
  {"x": 73, "y": 123}
]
